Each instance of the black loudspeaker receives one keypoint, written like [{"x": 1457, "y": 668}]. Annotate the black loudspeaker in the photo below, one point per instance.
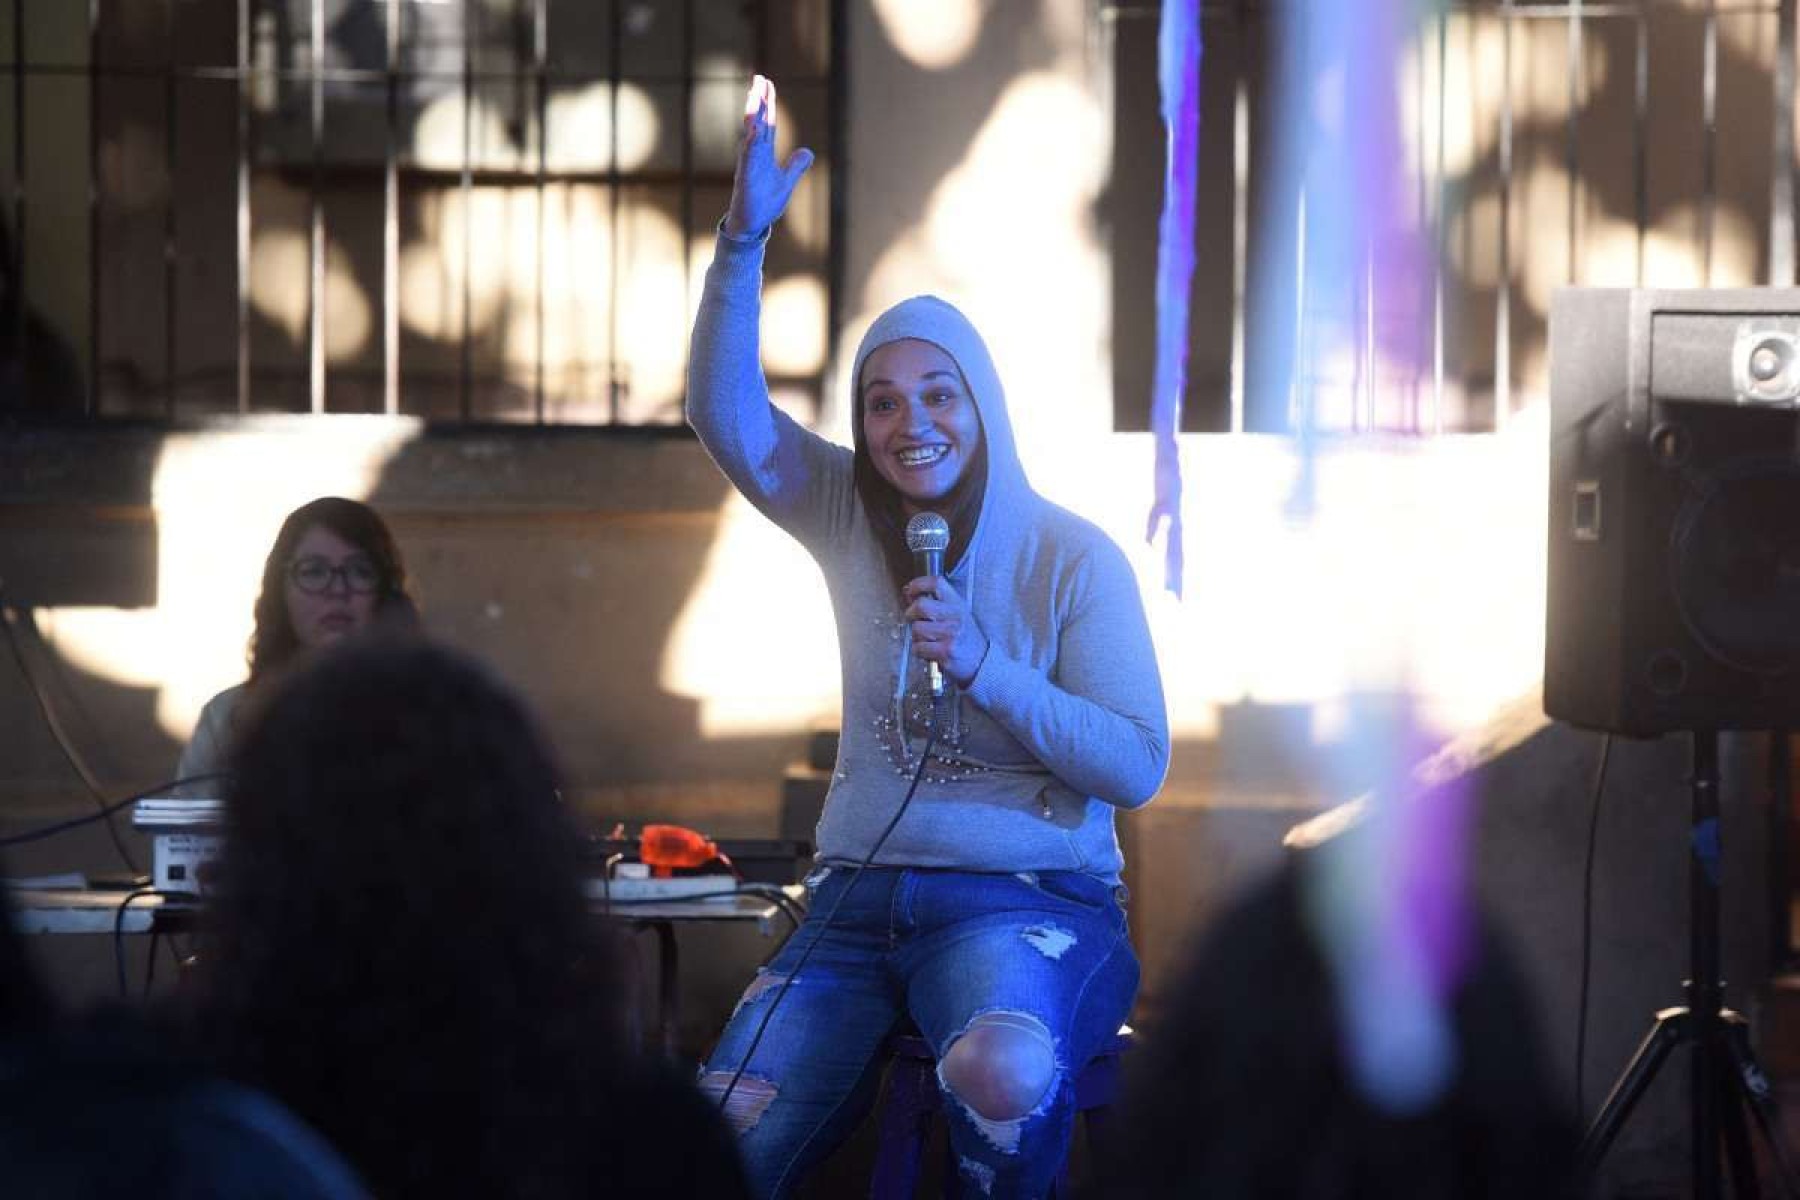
[{"x": 1674, "y": 549}]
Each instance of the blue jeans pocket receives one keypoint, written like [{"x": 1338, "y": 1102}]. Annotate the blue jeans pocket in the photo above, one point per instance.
[{"x": 1083, "y": 891}]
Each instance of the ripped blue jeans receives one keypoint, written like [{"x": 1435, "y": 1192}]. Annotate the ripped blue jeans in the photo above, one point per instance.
[{"x": 1041, "y": 951}]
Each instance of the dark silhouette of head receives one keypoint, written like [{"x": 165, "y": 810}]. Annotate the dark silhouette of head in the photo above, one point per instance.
[
  {"x": 1244, "y": 1086},
  {"x": 274, "y": 643},
  {"x": 403, "y": 952}
]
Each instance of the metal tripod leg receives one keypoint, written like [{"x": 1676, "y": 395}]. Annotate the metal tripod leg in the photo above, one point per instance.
[
  {"x": 1738, "y": 1159},
  {"x": 1747, "y": 1081},
  {"x": 1670, "y": 1030},
  {"x": 1741, "y": 1086},
  {"x": 1724, "y": 1071}
]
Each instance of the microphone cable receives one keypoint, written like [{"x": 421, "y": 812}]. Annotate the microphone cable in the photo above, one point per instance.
[{"x": 825, "y": 924}]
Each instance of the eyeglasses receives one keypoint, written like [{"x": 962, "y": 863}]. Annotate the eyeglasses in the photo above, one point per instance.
[{"x": 315, "y": 575}]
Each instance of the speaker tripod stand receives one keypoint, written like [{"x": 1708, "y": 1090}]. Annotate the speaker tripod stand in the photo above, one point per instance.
[{"x": 1726, "y": 1081}]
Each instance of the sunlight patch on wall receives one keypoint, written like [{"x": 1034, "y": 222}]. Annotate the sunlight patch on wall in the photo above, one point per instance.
[
  {"x": 281, "y": 291},
  {"x": 589, "y": 349},
  {"x": 983, "y": 243},
  {"x": 1421, "y": 572},
  {"x": 438, "y": 135},
  {"x": 1672, "y": 250},
  {"x": 755, "y": 645},
  {"x": 219, "y": 500},
  {"x": 279, "y": 267},
  {"x": 583, "y": 124},
  {"x": 116, "y": 644},
  {"x": 933, "y": 34},
  {"x": 794, "y": 325}
]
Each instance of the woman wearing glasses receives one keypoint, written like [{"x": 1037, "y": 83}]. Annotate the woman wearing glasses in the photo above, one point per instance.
[{"x": 334, "y": 570}]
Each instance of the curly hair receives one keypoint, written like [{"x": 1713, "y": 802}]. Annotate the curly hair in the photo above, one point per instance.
[
  {"x": 403, "y": 952},
  {"x": 272, "y": 642}
]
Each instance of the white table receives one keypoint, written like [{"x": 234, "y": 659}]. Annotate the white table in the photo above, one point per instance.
[{"x": 97, "y": 911}]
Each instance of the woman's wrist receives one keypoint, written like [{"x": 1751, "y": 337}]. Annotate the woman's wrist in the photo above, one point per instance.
[
  {"x": 731, "y": 231},
  {"x": 966, "y": 681}
]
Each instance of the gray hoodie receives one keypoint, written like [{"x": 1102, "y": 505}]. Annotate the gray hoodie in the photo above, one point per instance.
[{"x": 1063, "y": 723}]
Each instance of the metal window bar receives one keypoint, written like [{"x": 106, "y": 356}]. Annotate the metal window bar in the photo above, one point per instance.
[
  {"x": 1572, "y": 145},
  {"x": 170, "y": 231},
  {"x": 1439, "y": 231},
  {"x": 466, "y": 187},
  {"x": 1709, "y": 156},
  {"x": 92, "y": 404},
  {"x": 686, "y": 142},
  {"x": 16, "y": 319},
  {"x": 390, "y": 222},
  {"x": 246, "y": 82},
  {"x": 1240, "y": 232},
  {"x": 1503, "y": 303},
  {"x": 540, "y": 73},
  {"x": 1781, "y": 189},
  {"x": 617, "y": 385},
  {"x": 1640, "y": 143},
  {"x": 315, "y": 213}
]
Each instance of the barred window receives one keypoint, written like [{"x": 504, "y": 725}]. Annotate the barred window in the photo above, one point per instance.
[
  {"x": 1541, "y": 143},
  {"x": 465, "y": 210}
]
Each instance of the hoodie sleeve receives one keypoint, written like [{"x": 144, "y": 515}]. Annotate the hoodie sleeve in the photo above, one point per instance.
[
  {"x": 1097, "y": 718},
  {"x": 796, "y": 478}
]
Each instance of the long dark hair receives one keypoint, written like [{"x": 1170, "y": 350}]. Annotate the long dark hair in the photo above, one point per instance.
[
  {"x": 403, "y": 952},
  {"x": 272, "y": 643}
]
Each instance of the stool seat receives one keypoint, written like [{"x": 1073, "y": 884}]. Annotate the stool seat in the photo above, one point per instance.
[{"x": 911, "y": 1102}]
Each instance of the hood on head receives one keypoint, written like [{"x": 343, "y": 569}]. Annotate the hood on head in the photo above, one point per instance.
[{"x": 930, "y": 319}]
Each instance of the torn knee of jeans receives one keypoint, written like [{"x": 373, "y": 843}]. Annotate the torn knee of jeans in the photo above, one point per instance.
[
  {"x": 760, "y": 986},
  {"x": 1001, "y": 1069},
  {"x": 747, "y": 1101}
]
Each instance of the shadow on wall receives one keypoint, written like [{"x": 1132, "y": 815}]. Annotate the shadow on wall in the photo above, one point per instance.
[{"x": 902, "y": 161}]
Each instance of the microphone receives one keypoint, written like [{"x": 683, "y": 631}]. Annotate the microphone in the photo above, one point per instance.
[{"x": 928, "y": 536}]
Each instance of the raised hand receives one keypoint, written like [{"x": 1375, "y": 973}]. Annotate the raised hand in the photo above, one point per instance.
[{"x": 761, "y": 189}]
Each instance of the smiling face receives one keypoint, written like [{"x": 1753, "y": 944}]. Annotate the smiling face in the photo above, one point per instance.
[
  {"x": 919, "y": 422},
  {"x": 322, "y": 617}
]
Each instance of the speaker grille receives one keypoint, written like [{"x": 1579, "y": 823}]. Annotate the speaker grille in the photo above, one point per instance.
[{"x": 1735, "y": 566}]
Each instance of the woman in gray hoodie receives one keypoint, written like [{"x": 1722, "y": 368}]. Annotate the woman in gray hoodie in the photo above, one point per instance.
[{"x": 995, "y": 716}]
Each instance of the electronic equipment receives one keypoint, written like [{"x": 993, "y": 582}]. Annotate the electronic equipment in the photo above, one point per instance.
[
  {"x": 626, "y": 887},
  {"x": 187, "y": 837},
  {"x": 758, "y": 860},
  {"x": 1674, "y": 538}
]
